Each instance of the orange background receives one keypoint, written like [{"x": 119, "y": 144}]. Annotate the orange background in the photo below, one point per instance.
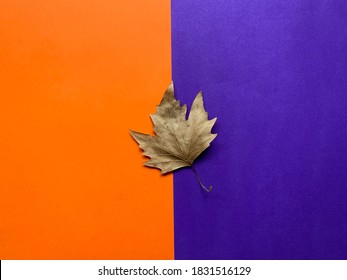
[{"x": 74, "y": 77}]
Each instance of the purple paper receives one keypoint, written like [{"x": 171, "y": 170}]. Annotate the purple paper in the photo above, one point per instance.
[{"x": 275, "y": 74}]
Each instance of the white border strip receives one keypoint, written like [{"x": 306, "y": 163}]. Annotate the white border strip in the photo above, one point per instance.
[{"x": 90, "y": 270}]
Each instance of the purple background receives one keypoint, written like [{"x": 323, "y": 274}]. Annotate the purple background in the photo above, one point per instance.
[{"x": 275, "y": 74}]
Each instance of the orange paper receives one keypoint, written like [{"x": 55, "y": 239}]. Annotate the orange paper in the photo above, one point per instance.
[{"x": 74, "y": 77}]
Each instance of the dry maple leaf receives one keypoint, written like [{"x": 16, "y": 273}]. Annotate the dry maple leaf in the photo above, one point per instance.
[{"x": 178, "y": 142}]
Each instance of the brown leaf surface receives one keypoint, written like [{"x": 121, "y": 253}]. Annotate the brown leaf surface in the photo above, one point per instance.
[{"x": 178, "y": 142}]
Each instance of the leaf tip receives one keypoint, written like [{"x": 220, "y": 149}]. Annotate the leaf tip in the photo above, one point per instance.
[
  {"x": 132, "y": 132},
  {"x": 170, "y": 87},
  {"x": 168, "y": 95}
]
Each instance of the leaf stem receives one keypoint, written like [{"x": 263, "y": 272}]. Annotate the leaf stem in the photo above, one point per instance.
[{"x": 201, "y": 184}]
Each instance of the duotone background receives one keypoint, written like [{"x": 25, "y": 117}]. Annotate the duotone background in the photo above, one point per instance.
[{"x": 76, "y": 75}]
